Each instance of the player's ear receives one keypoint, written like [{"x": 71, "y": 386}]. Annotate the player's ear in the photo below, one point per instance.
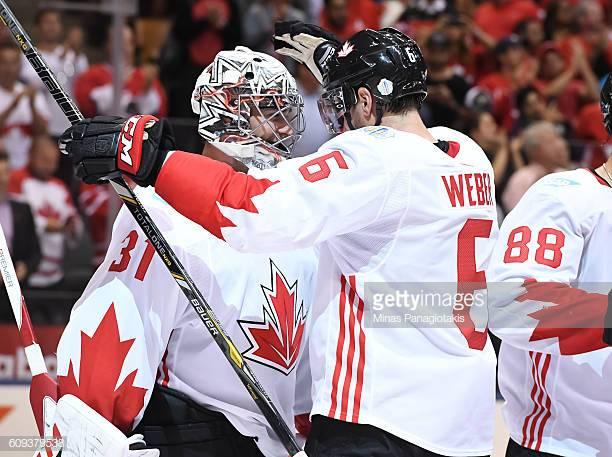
[{"x": 365, "y": 102}]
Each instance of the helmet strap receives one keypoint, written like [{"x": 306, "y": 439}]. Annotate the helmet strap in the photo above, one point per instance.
[
  {"x": 349, "y": 120},
  {"x": 379, "y": 112}
]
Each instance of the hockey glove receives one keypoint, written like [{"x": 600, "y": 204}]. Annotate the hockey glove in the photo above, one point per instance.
[
  {"x": 306, "y": 43},
  {"x": 106, "y": 146},
  {"x": 87, "y": 433}
]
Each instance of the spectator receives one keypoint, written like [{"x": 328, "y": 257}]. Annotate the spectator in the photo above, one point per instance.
[
  {"x": 446, "y": 85},
  {"x": 531, "y": 32},
  {"x": 569, "y": 85},
  {"x": 559, "y": 20},
  {"x": 547, "y": 152},
  {"x": 54, "y": 214},
  {"x": 590, "y": 129},
  {"x": 315, "y": 133},
  {"x": 65, "y": 58},
  {"x": 461, "y": 32},
  {"x": 20, "y": 233},
  {"x": 504, "y": 155},
  {"x": 498, "y": 18},
  {"x": 595, "y": 35},
  {"x": 532, "y": 107},
  {"x": 258, "y": 22},
  {"x": 335, "y": 18},
  {"x": 23, "y": 111},
  {"x": 420, "y": 15},
  {"x": 201, "y": 28},
  {"x": 142, "y": 94},
  {"x": 18, "y": 225},
  {"x": 512, "y": 76}
]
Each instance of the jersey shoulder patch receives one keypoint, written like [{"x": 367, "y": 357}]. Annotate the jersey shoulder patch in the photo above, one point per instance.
[
  {"x": 379, "y": 132},
  {"x": 559, "y": 181}
]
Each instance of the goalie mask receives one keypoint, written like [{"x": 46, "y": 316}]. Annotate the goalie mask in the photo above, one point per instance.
[{"x": 249, "y": 100}]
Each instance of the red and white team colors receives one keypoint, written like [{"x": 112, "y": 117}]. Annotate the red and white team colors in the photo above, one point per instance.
[
  {"x": 383, "y": 206},
  {"x": 554, "y": 370},
  {"x": 133, "y": 327},
  {"x": 50, "y": 200}
]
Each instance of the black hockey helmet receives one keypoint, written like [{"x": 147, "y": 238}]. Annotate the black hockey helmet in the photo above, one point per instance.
[
  {"x": 606, "y": 103},
  {"x": 386, "y": 62}
]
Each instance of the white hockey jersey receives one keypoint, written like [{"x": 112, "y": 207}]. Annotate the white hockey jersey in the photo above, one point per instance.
[
  {"x": 49, "y": 199},
  {"x": 386, "y": 208},
  {"x": 133, "y": 327},
  {"x": 555, "y": 373}
]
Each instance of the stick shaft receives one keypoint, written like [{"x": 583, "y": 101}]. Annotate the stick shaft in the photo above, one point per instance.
[{"x": 182, "y": 278}]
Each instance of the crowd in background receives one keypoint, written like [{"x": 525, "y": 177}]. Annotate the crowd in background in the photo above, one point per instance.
[{"x": 521, "y": 77}]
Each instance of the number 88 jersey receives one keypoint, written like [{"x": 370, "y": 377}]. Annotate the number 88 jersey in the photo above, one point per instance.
[{"x": 550, "y": 275}]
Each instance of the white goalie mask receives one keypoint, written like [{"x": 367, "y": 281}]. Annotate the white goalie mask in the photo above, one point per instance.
[{"x": 246, "y": 98}]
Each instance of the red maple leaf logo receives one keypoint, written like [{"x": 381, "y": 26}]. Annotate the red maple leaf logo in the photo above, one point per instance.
[
  {"x": 49, "y": 212},
  {"x": 275, "y": 342},
  {"x": 575, "y": 317},
  {"x": 102, "y": 357}
]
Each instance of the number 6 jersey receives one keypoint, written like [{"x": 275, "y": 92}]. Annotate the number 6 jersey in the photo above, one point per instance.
[
  {"x": 387, "y": 209},
  {"x": 551, "y": 273}
]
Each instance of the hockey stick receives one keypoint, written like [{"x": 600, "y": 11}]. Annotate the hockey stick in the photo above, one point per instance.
[
  {"x": 43, "y": 388},
  {"x": 182, "y": 278}
]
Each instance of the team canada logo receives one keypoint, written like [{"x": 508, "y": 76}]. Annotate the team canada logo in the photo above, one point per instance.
[
  {"x": 347, "y": 48},
  {"x": 275, "y": 341}
]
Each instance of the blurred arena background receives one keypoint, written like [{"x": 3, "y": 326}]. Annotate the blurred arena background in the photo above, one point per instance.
[{"x": 521, "y": 77}]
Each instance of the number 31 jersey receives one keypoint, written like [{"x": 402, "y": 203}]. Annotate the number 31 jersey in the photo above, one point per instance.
[
  {"x": 388, "y": 211},
  {"x": 133, "y": 327}
]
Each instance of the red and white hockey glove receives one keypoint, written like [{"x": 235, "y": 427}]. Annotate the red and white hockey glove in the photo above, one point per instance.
[{"x": 104, "y": 147}]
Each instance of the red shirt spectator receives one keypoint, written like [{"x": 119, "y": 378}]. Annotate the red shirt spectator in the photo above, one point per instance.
[
  {"x": 344, "y": 18},
  {"x": 55, "y": 217},
  {"x": 498, "y": 18},
  {"x": 142, "y": 94},
  {"x": 515, "y": 72},
  {"x": 568, "y": 81},
  {"x": 212, "y": 16},
  {"x": 589, "y": 128}
]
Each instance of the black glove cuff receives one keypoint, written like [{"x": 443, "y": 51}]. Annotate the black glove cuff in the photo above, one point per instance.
[{"x": 160, "y": 143}]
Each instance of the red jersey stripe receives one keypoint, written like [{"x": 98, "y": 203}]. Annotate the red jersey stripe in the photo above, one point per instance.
[
  {"x": 538, "y": 400},
  {"x": 361, "y": 364},
  {"x": 534, "y": 390},
  {"x": 339, "y": 348},
  {"x": 547, "y": 404},
  {"x": 349, "y": 356}
]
